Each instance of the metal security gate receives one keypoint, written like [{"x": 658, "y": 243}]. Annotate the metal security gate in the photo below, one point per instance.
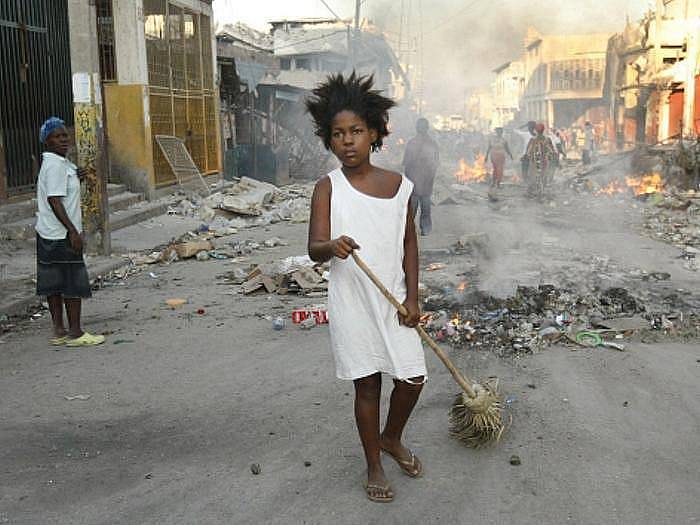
[{"x": 35, "y": 76}]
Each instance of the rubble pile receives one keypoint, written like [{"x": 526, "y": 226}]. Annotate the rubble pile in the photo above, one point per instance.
[
  {"x": 294, "y": 275},
  {"x": 538, "y": 316},
  {"x": 248, "y": 203},
  {"x": 675, "y": 219}
]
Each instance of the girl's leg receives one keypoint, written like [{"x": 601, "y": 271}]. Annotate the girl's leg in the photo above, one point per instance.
[
  {"x": 56, "y": 309},
  {"x": 73, "y": 311},
  {"x": 403, "y": 400},
  {"x": 367, "y": 393}
]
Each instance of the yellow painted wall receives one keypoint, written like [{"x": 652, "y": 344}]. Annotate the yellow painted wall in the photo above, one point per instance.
[{"x": 129, "y": 129}]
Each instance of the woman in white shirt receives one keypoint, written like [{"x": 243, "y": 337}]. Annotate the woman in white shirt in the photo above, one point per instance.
[{"x": 61, "y": 273}]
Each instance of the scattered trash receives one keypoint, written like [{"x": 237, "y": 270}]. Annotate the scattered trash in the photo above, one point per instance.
[
  {"x": 188, "y": 249},
  {"x": 77, "y": 397},
  {"x": 307, "y": 463},
  {"x": 122, "y": 341},
  {"x": 278, "y": 323},
  {"x": 203, "y": 255},
  {"x": 590, "y": 339},
  {"x": 148, "y": 476},
  {"x": 515, "y": 460},
  {"x": 318, "y": 313},
  {"x": 255, "y": 468},
  {"x": 200, "y": 311},
  {"x": 435, "y": 266},
  {"x": 175, "y": 302},
  {"x": 308, "y": 323}
]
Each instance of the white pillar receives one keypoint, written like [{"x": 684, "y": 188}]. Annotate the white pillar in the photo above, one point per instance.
[{"x": 691, "y": 70}]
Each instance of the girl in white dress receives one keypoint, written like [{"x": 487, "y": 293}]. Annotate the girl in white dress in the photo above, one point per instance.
[{"x": 362, "y": 207}]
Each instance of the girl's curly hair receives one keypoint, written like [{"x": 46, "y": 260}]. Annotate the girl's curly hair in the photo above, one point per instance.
[{"x": 355, "y": 94}]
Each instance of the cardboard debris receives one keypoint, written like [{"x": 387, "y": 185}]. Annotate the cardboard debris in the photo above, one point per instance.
[
  {"x": 308, "y": 279},
  {"x": 188, "y": 249},
  {"x": 259, "y": 281}
]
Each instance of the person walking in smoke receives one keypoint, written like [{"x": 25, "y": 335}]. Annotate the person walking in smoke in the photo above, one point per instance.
[
  {"x": 61, "y": 274},
  {"x": 541, "y": 161},
  {"x": 526, "y": 136},
  {"x": 498, "y": 148},
  {"x": 361, "y": 205},
  {"x": 420, "y": 161},
  {"x": 588, "y": 143}
]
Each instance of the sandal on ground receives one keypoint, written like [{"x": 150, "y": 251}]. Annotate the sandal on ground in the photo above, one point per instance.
[
  {"x": 86, "y": 340},
  {"x": 385, "y": 489},
  {"x": 412, "y": 468},
  {"x": 58, "y": 341}
]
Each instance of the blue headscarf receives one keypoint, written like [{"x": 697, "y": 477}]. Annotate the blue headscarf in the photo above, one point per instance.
[{"x": 51, "y": 124}]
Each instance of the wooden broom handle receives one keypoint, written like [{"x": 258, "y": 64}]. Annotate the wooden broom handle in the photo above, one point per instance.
[{"x": 456, "y": 374}]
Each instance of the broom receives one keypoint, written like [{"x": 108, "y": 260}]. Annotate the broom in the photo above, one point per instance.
[{"x": 476, "y": 415}]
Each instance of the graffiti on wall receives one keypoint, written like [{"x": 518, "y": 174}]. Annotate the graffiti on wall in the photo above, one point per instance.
[{"x": 86, "y": 137}]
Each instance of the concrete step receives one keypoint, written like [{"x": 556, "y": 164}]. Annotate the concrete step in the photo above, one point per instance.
[
  {"x": 135, "y": 214},
  {"x": 25, "y": 209},
  {"x": 17, "y": 219},
  {"x": 118, "y": 219},
  {"x": 124, "y": 200}
]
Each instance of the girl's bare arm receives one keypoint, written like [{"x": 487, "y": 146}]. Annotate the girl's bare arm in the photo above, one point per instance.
[{"x": 321, "y": 247}]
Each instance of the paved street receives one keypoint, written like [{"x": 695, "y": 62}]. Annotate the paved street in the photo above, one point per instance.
[{"x": 178, "y": 405}]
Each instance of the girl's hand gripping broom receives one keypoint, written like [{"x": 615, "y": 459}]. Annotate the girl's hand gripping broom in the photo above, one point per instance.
[{"x": 476, "y": 414}]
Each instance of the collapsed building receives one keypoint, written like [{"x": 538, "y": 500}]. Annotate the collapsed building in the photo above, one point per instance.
[{"x": 266, "y": 77}]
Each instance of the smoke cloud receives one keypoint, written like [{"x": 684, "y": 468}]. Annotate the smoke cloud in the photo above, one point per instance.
[{"x": 464, "y": 40}]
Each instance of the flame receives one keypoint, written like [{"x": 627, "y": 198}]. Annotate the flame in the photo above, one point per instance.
[
  {"x": 475, "y": 173},
  {"x": 645, "y": 184},
  {"x": 462, "y": 286},
  {"x": 614, "y": 186}
]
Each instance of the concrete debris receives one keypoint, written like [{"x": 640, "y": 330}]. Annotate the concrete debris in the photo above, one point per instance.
[{"x": 293, "y": 275}]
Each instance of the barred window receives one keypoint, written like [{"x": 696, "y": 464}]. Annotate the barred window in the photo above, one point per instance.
[{"x": 105, "y": 40}]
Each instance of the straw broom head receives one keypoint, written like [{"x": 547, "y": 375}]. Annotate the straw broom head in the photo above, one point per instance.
[{"x": 478, "y": 421}]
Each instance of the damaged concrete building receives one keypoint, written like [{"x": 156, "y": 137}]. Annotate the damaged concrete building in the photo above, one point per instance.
[
  {"x": 266, "y": 77},
  {"x": 654, "y": 76}
]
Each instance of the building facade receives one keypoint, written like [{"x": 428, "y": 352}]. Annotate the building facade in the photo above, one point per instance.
[
  {"x": 564, "y": 78},
  {"x": 507, "y": 91},
  {"x": 158, "y": 68}
]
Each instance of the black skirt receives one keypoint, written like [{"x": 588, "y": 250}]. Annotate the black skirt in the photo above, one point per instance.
[{"x": 60, "y": 270}]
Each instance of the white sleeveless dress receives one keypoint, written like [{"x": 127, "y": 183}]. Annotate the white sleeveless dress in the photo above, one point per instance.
[{"x": 366, "y": 336}]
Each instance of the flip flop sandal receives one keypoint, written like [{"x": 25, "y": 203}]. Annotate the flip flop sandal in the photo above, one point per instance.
[
  {"x": 378, "y": 499},
  {"x": 86, "y": 340},
  {"x": 58, "y": 341},
  {"x": 412, "y": 468}
]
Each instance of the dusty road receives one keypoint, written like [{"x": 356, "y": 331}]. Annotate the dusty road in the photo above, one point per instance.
[{"x": 180, "y": 405}]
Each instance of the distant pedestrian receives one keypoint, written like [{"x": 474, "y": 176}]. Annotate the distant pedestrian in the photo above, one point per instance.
[
  {"x": 421, "y": 161},
  {"x": 541, "y": 161},
  {"x": 588, "y": 143},
  {"x": 525, "y": 137},
  {"x": 362, "y": 205},
  {"x": 61, "y": 273},
  {"x": 498, "y": 149}
]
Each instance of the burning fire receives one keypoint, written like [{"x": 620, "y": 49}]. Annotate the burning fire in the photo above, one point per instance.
[
  {"x": 642, "y": 185},
  {"x": 462, "y": 286},
  {"x": 614, "y": 186},
  {"x": 475, "y": 173},
  {"x": 646, "y": 184}
]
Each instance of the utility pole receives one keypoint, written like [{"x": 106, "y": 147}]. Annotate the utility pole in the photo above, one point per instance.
[
  {"x": 90, "y": 133},
  {"x": 356, "y": 39}
]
